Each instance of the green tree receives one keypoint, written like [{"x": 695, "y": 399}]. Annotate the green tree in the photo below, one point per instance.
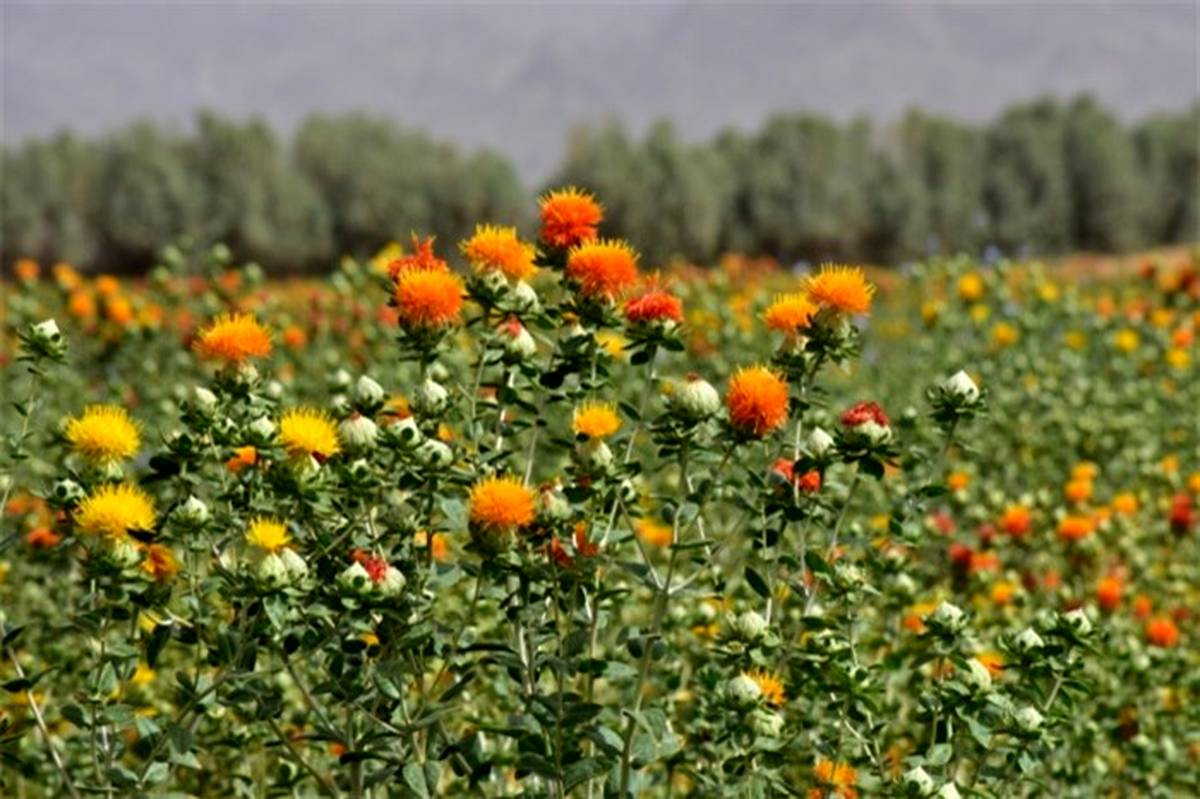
[
  {"x": 946, "y": 157},
  {"x": 1106, "y": 187},
  {"x": 1168, "y": 153}
]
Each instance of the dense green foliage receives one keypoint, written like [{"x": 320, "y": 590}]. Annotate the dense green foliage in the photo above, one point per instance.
[{"x": 1045, "y": 176}]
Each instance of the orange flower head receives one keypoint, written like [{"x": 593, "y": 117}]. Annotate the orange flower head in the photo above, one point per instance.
[
  {"x": 958, "y": 481},
  {"x": 843, "y": 289},
  {"x": 501, "y": 504},
  {"x": 789, "y": 313},
  {"x": 108, "y": 286},
  {"x": 42, "y": 538},
  {"x": 653, "y": 532},
  {"x": 1161, "y": 631},
  {"x": 498, "y": 249},
  {"x": 770, "y": 686},
  {"x": 1108, "y": 593},
  {"x": 81, "y": 305},
  {"x": 1086, "y": 470},
  {"x": 596, "y": 420},
  {"x": 993, "y": 661},
  {"x": 842, "y": 777},
  {"x": 243, "y": 457},
  {"x": 1075, "y": 528},
  {"x": 428, "y": 298},
  {"x": 1125, "y": 504},
  {"x": 569, "y": 217},
  {"x": 233, "y": 339},
  {"x": 654, "y": 305},
  {"x": 295, "y": 337},
  {"x": 1142, "y": 606},
  {"x": 422, "y": 257},
  {"x": 1015, "y": 520},
  {"x": 160, "y": 563},
  {"x": 26, "y": 270},
  {"x": 604, "y": 269},
  {"x": 757, "y": 401},
  {"x": 1077, "y": 491}
]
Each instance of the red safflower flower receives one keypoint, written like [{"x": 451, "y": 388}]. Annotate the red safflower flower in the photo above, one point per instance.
[
  {"x": 421, "y": 257},
  {"x": 654, "y": 305},
  {"x": 375, "y": 565},
  {"x": 864, "y": 412},
  {"x": 1180, "y": 516},
  {"x": 1162, "y": 632}
]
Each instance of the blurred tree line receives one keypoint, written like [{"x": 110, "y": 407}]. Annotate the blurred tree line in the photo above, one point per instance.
[{"x": 1044, "y": 177}]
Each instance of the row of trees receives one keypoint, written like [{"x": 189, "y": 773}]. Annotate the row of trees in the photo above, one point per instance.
[{"x": 1043, "y": 177}]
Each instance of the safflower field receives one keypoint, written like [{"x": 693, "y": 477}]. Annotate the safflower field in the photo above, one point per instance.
[{"x": 514, "y": 517}]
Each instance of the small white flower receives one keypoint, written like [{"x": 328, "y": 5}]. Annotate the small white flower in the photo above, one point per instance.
[{"x": 961, "y": 385}]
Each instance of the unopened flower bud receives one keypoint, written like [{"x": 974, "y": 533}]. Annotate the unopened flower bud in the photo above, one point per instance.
[
  {"x": 696, "y": 399},
  {"x": 123, "y": 553},
  {"x": 358, "y": 433},
  {"x": 524, "y": 298},
  {"x": 355, "y": 579},
  {"x": 949, "y": 616},
  {"x": 518, "y": 343},
  {"x": 595, "y": 455},
  {"x": 369, "y": 396},
  {"x": 274, "y": 389},
  {"x": 262, "y": 430},
  {"x": 435, "y": 454},
  {"x": 743, "y": 690},
  {"x": 1028, "y": 718},
  {"x": 818, "y": 443},
  {"x": 949, "y": 791},
  {"x": 341, "y": 379},
  {"x": 68, "y": 492},
  {"x": 1029, "y": 641},
  {"x": 204, "y": 401},
  {"x": 295, "y": 565},
  {"x": 272, "y": 570},
  {"x": 766, "y": 723},
  {"x": 392, "y": 584},
  {"x": 1078, "y": 621},
  {"x": 977, "y": 675},
  {"x": 404, "y": 433},
  {"x": 554, "y": 504},
  {"x": 961, "y": 386},
  {"x": 750, "y": 626},
  {"x": 192, "y": 511},
  {"x": 918, "y": 779},
  {"x": 430, "y": 398}
]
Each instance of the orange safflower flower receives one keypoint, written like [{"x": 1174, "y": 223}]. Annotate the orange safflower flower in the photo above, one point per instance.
[
  {"x": 242, "y": 458},
  {"x": 1015, "y": 520},
  {"x": 1077, "y": 491},
  {"x": 958, "y": 481},
  {"x": 843, "y": 289},
  {"x": 654, "y": 533},
  {"x": 604, "y": 269},
  {"x": 1142, "y": 606},
  {"x": 107, "y": 285},
  {"x": 1075, "y": 528},
  {"x": 501, "y": 504},
  {"x": 770, "y": 686},
  {"x": 1003, "y": 592},
  {"x": 1085, "y": 471},
  {"x": 1125, "y": 504},
  {"x": 26, "y": 270},
  {"x": 81, "y": 305},
  {"x": 294, "y": 336},
  {"x": 422, "y": 257},
  {"x": 42, "y": 538},
  {"x": 1161, "y": 631},
  {"x": 569, "y": 217},
  {"x": 160, "y": 563},
  {"x": 493, "y": 248},
  {"x": 842, "y": 777},
  {"x": 233, "y": 339},
  {"x": 118, "y": 310},
  {"x": 789, "y": 313},
  {"x": 428, "y": 298},
  {"x": 1108, "y": 593},
  {"x": 440, "y": 548},
  {"x": 757, "y": 400},
  {"x": 654, "y": 305},
  {"x": 993, "y": 661}
]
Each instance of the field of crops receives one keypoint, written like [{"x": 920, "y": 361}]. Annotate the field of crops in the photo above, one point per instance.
[{"x": 547, "y": 523}]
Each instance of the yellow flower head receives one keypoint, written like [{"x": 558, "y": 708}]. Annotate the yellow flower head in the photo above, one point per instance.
[
  {"x": 1126, "y": 340},
  {"x": 654, "y": 533},
  {"x": 114, "y": 510},
  {"x": 596, "y": 420},
  {"x": 305, "y": 431},
  {"x": 1004, "y": 334},
  {"x": 104, "y": 433},
  {"x": 266, "y": 534},
  {"x": 494, "y": 248},
  {"x": 233, "y": 339},
  {"x": 789, "y": 313},
  {"x": 843, "y": 289},
  {"x": 970, "y": 287},
  {"x": 770, "y": 686},
  {"x": 500, "y": 504}
]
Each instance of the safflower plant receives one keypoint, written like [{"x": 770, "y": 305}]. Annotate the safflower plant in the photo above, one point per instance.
[{"x": 547, "y": 525}]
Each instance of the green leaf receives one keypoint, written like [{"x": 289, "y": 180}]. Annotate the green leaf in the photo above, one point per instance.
[
  {"x": 757, "y": 582},
  {"x": 939, "y": 755},
  {"x": 414, "y": 778}
]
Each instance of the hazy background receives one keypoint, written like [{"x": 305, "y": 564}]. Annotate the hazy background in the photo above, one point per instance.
[{"x": 516, "y": 77}]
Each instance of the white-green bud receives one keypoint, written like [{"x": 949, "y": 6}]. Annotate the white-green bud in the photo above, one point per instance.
[
  {"x": 766, "y": 723},
  {"x": 743, "y": 690},
  {"x": 204, "y": 401},
  {"x": 68, "y": 491},
  {"x": 392, "y": 584},
  {"x": 555, "y": 505},
  {"x": 262, "y": 430},
  {"x": 818, "y": 443},
  {"x": 918, "y": 779},
  {"x": 358, "y": 433},
  {"x": 949, "y": 616},
  {"x": 961, "y": 386},
  {"x": 696, "y": 399},
  {"x": 341, "y": 379},
  {"x": 949, "y": 791},
  {"x": 524, "y": 298},
  {"x": 435, "y": 454},
  {"x": 404, "y": 433},
  {"x": 368, "y": 395},
  {"x": 430, "y": 398},
  {"x": 1079, "y": 621},
  {"x": 355, "y": 579},
  {"x": 271, "y": 570},
  {"x": 977, "y": 675},
  {"x": 296, "y": 566},
  {"x": 1028, "y": 718},
  {"x": 192, "y": 511},
  {"x": 274, "y": 389},
  {"x": 750, "y": 626},
  {"x": 1029, "y": 641}
]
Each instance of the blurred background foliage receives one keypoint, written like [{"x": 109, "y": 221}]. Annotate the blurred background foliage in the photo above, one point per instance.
[{"x": 1045, "y": 177}]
